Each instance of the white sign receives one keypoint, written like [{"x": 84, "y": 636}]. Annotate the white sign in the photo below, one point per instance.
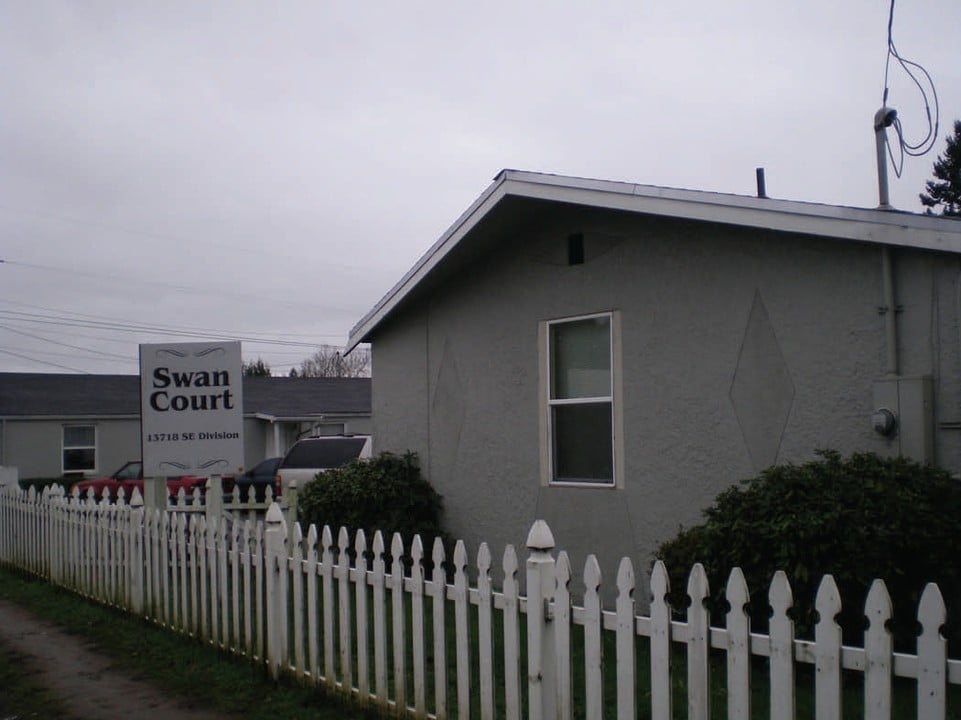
[{"x": 191, "y": 409}]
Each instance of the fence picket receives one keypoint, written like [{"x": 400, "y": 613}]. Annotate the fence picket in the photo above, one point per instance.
[
  {"x": 380, "y": 633},
  {"x": 438, "y": 595},
  {"x": 625, "y": 642},
  {"x": 698, "y": 647},
  {"x": 399, "y": 621},
  {"x": 360, "y": 615},
  {"x": 932, "y": 654},
  {"x": 827, "y": 651},
  {"x": 512, "y": 648},
  {"x": 342, "y": 571},
  {"x": 310, "y": 578},
  {"x": 593, "y": 649},
  {"x": 417, "y": 625},
  {"x": 485, "y": 632},
  {"x": 878, "y": 647},
  {"x": 661, "y": 693},
  {"x": 327, "y": 603},
  {"x": 297, "y": 591},
  {"x": 781, "y": 629},
  {"x": 738, "y": 648},
  {"x": 562, "y": 634},
  {"x": 461, "y": 629}
]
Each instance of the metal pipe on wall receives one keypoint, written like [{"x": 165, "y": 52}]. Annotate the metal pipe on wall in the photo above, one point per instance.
[{"x": 890, "y": 312}]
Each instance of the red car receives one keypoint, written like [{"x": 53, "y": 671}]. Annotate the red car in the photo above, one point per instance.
[{"x": 130, "y": 476}]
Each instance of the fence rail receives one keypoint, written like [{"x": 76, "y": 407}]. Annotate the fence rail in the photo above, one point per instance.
[{"x": 402, "y": 628}]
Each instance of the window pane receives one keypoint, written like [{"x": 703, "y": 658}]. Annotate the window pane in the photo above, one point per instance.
[
  {"x": 582, "y": 443},
  {"x": 79, "y": 460},
  {"x": 79, "y": 436},
  {"x": 581, "y": 358}
]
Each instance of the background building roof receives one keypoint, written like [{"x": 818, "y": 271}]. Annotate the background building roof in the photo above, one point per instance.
[{"x": 66, "y": 395}]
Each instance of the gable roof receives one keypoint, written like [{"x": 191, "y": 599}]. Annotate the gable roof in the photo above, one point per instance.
[
  {"x": 513, "y": 190},
  {"x": 62, "y": 395}
]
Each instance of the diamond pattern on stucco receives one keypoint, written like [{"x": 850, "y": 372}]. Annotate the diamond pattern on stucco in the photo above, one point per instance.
[
  {"x": 762, "y": 391},
  {"x": 447, "y": 411}
]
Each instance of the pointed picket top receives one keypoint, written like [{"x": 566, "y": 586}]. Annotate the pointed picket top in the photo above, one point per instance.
[
  {"x": 181, "y": 497},
  {"x": 697, "y": 587},
  {"x": 736, "y": 592},
  {"x": 136, "y": 499},
  {"x": 32, "y": 493},
  {"x": 592, "y": 574},
  {"x": 931, "y": 611},
  {"x": 75, "y": 494},
  {"x": 298, "y": 536},
  {"x": 438, "y": 554},
  {"x": 828, "y": 600},
  {"x": 360, "y": 545},
  {"x": 326, "y": 538},
  {"x": 460, "y": 556},
  {"x": 121, "y": 495},
  {"x": 540, "y": 537},
  {"x": 484, "y": 560},
  {"x": 877, "y": 606},
  {"x": 625, "y": 577},
  {"x": 269, "y": 494},
  {"x": 417, "y": 551},
  {"x": 562, "y": 568},
  {"x": 343, "y": 541},
  {"x": 397, "y": 546},
  {"x": 378, "y": 548},
  {"x": 660, "y": 583},
  {"x": 510, "y": 563},
  {"x": 311, "y": 537},
  {"x": 275, "y": 515},
  {"x": 779, "y": 596}
]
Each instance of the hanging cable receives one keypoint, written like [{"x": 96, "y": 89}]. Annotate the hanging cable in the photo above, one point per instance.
[{"x": 929, "y": 94}]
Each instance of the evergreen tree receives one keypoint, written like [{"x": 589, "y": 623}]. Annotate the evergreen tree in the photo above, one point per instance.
[
  {"x": 256, "y": 368},
  {"x": 946, "y": 190}
]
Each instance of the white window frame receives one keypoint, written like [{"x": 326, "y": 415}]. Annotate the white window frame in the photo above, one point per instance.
[
  {"x": 64, "y": 447},
  {"x": 547, "y": 403}
]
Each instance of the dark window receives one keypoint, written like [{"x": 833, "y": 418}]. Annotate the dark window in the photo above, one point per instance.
[
  {"x": 79, "y": 448},
  {"x": 581, "y": 400},
  {"x": 328, "y": 452}
]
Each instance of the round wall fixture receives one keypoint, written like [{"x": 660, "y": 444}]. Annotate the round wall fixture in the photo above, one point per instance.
[{"x": 884, "y": 422}]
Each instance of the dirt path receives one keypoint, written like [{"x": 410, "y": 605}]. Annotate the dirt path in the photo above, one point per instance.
[{"x": 82, "y": 678}]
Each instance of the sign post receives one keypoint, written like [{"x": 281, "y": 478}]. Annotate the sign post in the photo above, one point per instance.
[{"x": 191, "y": 413}]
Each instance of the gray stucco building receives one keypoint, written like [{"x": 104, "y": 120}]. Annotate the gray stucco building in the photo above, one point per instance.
[
  {"x": 53, "y": 424},
  {"x": 609, "y": 356}
]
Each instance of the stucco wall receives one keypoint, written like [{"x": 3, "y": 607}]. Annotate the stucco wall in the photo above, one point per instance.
[
  {"x": 739, "y": 349},
  {"x": 35, "y": 446}
]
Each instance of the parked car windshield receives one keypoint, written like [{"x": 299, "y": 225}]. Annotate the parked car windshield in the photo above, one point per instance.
[{"x": 329, "y": 452}]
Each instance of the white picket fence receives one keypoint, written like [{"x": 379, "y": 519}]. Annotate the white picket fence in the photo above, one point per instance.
[{"x": 413, "y": 642}]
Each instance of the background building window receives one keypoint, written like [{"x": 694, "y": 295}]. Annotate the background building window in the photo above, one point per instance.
[
  {"x": 79, "y": 448},
  {"x": 581, "y": 400}
]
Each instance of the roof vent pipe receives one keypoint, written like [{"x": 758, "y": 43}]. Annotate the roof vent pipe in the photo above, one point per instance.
[
  {"x": 761, "y": 190},
  {"x": 883, "y": 119}
]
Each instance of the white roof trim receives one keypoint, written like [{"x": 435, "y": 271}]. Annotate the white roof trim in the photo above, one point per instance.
[{"x": 883, "y": 227}]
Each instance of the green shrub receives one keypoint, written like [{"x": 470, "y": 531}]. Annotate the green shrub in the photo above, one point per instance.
[
  {"x": 386, "y": 493},
  {"x": 858, "y": 518}
]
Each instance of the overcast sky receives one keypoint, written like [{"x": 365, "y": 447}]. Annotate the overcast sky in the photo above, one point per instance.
[{"x": 269, "y": 170}]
